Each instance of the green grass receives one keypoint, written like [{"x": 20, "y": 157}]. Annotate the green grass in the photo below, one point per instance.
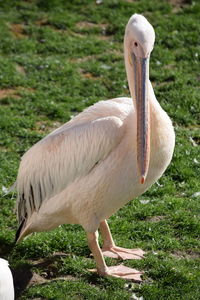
[{"x": 58, "y": 57}]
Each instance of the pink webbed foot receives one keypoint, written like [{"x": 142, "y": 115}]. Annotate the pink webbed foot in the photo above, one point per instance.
[
  {"x": 123, "y": 253},
  {"x": 121, "y": 272}
]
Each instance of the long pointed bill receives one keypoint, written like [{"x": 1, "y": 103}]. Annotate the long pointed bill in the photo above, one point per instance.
[{"x": 141, "y": 76}]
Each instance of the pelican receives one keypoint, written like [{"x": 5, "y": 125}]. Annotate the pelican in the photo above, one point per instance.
[
  {"x": 112, "y": 152},
  {"x": 6, "y": 281}
]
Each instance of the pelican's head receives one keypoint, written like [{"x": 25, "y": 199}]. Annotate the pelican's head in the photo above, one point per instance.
[
  {"x": 138, "y": 43},
  {"x": 139, "y": 36}
]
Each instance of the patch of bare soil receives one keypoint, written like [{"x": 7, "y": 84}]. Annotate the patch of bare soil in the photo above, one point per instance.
[
  {"x": 178, "y": 5},
  {"x": 3, "y": 149},
  {"x": 14, "y": 92},
  {"x": 187, "y": 255},
  {"x": 46, "y": 22},
  {"x": 79, "y": 35},
  {"x": 86, "y": 25},
  {"x": 88, "y": 75},
  {"x": 21, "y": 88},
  {"x": 156, "y": 218},
  {"x": 104, "y": 37},
  {"x": 50, "y": 269},
  {"x": 20, "y": 69},
  {"x": 193, "y": 127},
  {"x": 169, "y": 66},
  {"x": 17, "y": 30},
  {"x": 42, "y": 22},
  {"x": 36, "y": 279},
  {"x": 8, "y": 92}
]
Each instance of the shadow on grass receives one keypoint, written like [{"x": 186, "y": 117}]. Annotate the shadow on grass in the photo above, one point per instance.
[
  {"x": 24, "y": 275},
  {"x": 49, "y": 271},
  {"x": 6, "y": 246},
  {"x": 21, "y": 275}
]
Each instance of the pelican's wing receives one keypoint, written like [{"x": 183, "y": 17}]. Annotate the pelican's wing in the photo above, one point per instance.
[{"x": 65, "y": 155}]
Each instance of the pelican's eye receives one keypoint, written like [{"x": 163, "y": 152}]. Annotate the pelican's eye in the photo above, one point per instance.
[{"x": 136, "y": 44}]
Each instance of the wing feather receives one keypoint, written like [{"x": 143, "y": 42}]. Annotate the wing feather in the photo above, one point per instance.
[{"x": 63, "y": 156}]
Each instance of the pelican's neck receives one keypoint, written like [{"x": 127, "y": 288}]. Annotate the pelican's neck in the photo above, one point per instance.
[{"x": 153, "y": 102}]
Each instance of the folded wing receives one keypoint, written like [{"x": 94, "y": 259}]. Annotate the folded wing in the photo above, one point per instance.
[{"x": 63, "y": 156}]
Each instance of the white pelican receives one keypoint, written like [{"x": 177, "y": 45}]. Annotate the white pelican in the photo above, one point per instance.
[
  {"x": 112, "y": 152},
  {"x": 6, "y": 281}
]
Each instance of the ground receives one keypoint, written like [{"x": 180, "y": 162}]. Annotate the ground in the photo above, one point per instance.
[{"x": 58, "y": 57}]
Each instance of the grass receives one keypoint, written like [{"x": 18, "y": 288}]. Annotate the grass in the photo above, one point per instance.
[{"x": 58, "y": 57}]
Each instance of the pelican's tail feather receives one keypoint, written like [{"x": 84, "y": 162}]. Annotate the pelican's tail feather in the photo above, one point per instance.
[
  {"x": 19, "y": 230},
  {"x": 22, "y": 231}
]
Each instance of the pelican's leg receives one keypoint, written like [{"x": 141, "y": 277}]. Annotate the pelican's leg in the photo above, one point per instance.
[
  {"x": 115, "y": 271},
  {"x": 109, "y": 248}
]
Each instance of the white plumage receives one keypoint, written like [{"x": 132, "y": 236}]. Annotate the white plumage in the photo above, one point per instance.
[
  {"x": 87, "y": 169},
  {"x": 6, "y": 281}
]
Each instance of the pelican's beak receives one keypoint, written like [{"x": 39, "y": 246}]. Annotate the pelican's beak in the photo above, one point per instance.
[{"x": 141, "y": 77}]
